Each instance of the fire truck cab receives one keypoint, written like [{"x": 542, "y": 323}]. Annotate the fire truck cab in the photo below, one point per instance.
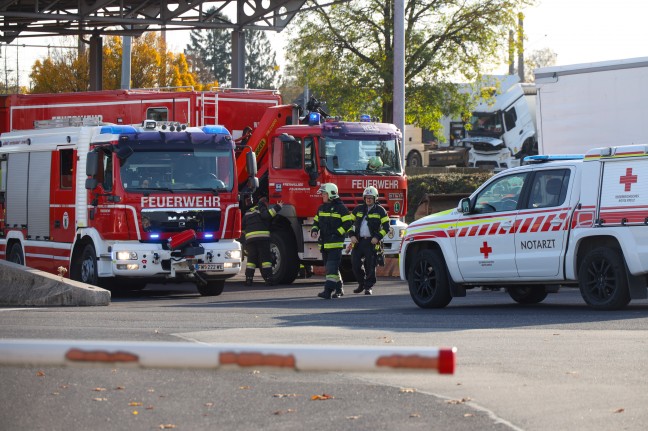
[
  {"x": 120, "y": 206},
  {"x": 561, "y": 220}
]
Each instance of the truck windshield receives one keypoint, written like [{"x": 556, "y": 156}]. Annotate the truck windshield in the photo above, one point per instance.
[
  {"x": 486, "y": 124},
  {"x": 189, "y": 168},
  {"x": 365, "y": 157}
]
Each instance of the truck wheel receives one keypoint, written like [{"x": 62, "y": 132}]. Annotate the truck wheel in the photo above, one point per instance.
[
  {"x": 285, "y": 263},
  {"x": 16, "y": 254},
  {"x": 84, "y": 267},
  {"x": 428, "y": 281},
  {"x": 602, "y": 279},
  {"x": 213, "y": 288},
  {"x": 527, "y": 294},
  {"x": 414, "y": 160}
]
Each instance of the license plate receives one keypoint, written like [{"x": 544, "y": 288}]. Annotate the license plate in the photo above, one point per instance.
[{"x": 209, "y": 267}]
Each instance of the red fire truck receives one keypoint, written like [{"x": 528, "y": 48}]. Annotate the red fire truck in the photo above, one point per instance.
[
  {"x": 119, "y": 206},
  {"x": 294, "y": 159},
  {"x": 230, "y": 107}
]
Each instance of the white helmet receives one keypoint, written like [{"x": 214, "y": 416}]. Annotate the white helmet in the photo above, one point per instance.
[
  {"x": 330, "y": 189},
  {"x": 370, "y": 191}
]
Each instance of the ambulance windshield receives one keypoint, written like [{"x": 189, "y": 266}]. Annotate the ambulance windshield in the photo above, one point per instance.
[
  {"x": 182, "y": 169},
  {"x": 364, "y": 157}
]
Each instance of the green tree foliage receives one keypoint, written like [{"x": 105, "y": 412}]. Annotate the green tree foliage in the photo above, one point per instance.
[
  {"x": 345, "y": 53},
  {"x": 210, "y": 54},
  {"x": 151, "y": 66}
]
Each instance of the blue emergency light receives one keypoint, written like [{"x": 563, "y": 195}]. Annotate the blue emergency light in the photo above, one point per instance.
[
  {"x": 215, "y": 130},
  {"x": 118, "y": 130},
  {"x": 365, "y": 118},
  {"x": 313, "y": 119},
  {"x": 545, "y": 158}
]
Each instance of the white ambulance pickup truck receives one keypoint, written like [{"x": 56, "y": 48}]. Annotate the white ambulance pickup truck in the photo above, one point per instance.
[{"x": 564, "y": 220}]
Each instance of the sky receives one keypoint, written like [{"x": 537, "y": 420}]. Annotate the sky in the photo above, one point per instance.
[{"x": 579, "y": 31}]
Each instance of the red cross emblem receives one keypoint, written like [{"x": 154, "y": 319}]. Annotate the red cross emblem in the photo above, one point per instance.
[
  {"x": 486, "y": 250},
  {"x": 628, "y": 179}
]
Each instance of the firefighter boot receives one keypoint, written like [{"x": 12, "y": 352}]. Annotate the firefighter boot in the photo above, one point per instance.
[
  {"x": 249, "y": 276},
  {"x": 326, "y": 293},
  {"x": 339, "y": 292},
  {"x": 360, "y": 289},
  {"x": 267, "y": 275}
]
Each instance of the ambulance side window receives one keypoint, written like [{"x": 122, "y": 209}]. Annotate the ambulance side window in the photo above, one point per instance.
[
  {"x": 502, "y": 194},
  {"x": 549, "y": 188}
]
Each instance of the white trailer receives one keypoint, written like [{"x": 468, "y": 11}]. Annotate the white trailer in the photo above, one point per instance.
[{"x": 590, "y": 105}]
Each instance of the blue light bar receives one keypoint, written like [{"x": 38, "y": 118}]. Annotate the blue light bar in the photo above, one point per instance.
[
  {"x": 544, "y": 158},
  {"x": 155, "y": 235},
  {"x": 215, "y": 130},
  {"x": 313, "y": 119},
  {"x": 117, "y": 129},
  {"x": 209, "y": 235},
  {"x": 365, "y": 118}
]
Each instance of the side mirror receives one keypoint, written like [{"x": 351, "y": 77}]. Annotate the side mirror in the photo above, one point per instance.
[
  {"x": 250, "y": 160},
  {"x": 124, "y": 153},
  {"x": 91, "y": 183},
  {"x": 464, "y": 206},
  {"x": 92, "y": 162}
]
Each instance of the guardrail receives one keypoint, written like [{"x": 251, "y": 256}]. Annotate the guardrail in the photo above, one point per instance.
[{"x": 227, "y": 356}]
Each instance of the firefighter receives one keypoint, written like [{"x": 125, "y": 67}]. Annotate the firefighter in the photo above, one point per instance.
[
  {"x": 256, "y": 224},
  {"x": 371, "y": 224},
  {"x": 332, "y": 223}
]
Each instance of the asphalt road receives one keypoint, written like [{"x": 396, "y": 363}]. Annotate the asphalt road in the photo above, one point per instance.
[{"x": 555, "y": 365}]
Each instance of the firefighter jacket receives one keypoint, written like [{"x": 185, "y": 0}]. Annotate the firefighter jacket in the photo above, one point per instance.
[
  {"x": 257, "y": 221},
  {"x": 377, "y": 221},
  {"x": 332, "y": 221}
]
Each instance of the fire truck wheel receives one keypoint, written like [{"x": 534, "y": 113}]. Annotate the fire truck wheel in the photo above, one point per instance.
[
  {"x": 527, "y": 294},
  {"x": 213, "y": 288},
  {"x": 16, "y": 254},
  {"x": 84, "y": 267},
  {"x": 428, "y": 280},
  {"x": 285, "y": 263},
  {"x": 602, "y": 279}
]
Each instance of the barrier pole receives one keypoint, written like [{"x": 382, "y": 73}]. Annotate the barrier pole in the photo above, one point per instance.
[{"x": 237, "y": 356}]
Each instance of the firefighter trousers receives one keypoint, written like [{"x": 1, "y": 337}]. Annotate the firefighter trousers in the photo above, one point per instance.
[{"x": 365, "y": 272}]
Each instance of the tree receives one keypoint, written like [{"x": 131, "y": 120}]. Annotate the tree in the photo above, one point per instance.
[
  {"x": 346, "y": 53},
  {"x": 210, "y": 54},
  {"x": 540, "y": 58},
  {"x": 151, "y": 66}
]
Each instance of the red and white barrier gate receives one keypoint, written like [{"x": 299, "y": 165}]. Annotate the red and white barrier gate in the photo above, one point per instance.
[{"x": 188, "y": 355}]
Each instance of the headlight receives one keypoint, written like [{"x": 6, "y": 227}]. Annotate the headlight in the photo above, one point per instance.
[
  {"x": 233, "y": 254},
  {"x": 401, "y": 234},
  {"x": 130, "y": 266},
  {"x": 126, "y": 255}
]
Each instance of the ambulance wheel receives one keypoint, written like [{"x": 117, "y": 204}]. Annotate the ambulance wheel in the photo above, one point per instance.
[
  {"x": 527, "y": 294},
  {"x": 213, "y": 288},
  {"x": 16, "y": 254},
  {"x": 84, "y": 266},
  {"x": 428, "y": 280},
  {"x": 602, "y": 279},
  {"x": 285, "y": 262}
]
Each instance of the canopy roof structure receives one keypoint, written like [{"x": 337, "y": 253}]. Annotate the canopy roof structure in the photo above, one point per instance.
[{"x": 37, "y": 18}]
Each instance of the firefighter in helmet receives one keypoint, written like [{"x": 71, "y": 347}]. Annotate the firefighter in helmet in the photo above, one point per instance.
[
  {"x": 374, "y": 164},
  {"x": 370, "y": 225},
  {"x": 256, "y": 224},
  {"x": 332, "y": 222}
]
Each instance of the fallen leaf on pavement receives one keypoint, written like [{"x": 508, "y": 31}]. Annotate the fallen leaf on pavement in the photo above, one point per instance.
[
  {"x": 134, "y": 404},
  {"x": 167, "y": 426},
  {"x": 245, "y": 387},
  {"x": 415, "y": 415},
  {"x": 99, "y": 389},
  {"x": 209, "y": 404},
  {"x": 40, "y": 373},
  {"x": 322, "y": 397},
  {"x": 281, "y": 412},
  {"x": 407, "y": 390},
  {"x": 468, "y": 415},
  {"x": 352, "y": 418},
  {"x": 461, "y": 401},
  {"x": 621, "y": 410},
  {"x": 285, "y": 395},
  {"x": 100, "y": 399}
]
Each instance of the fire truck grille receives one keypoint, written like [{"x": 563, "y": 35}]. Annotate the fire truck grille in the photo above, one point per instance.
[{"x": 179, "y": 220}]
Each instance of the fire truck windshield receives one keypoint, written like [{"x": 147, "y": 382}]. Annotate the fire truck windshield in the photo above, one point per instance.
[
  {"x": 364, "y": 157},
  {"x": 190, "y": 168}
]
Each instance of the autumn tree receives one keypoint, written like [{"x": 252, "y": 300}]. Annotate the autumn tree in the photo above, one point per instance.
[
  {"x": 539, "y": 58},
  {"x": 346, "y": 53},
  {"x": 151, "y": 66}
]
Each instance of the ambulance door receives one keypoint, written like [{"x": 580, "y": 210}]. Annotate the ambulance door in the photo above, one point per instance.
[
  {"x": 485, "y": 239},
  {"x": 542, "y": 224}
]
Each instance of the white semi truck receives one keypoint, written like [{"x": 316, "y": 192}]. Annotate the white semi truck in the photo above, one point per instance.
[
  {"x": 590, "y": 105},
  {"x": 502, "y": 129}
]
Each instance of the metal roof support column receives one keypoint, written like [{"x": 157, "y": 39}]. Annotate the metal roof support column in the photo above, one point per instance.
[
  {"x": 96, "y": 62},
  {"x": 238, "y": 59}
]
